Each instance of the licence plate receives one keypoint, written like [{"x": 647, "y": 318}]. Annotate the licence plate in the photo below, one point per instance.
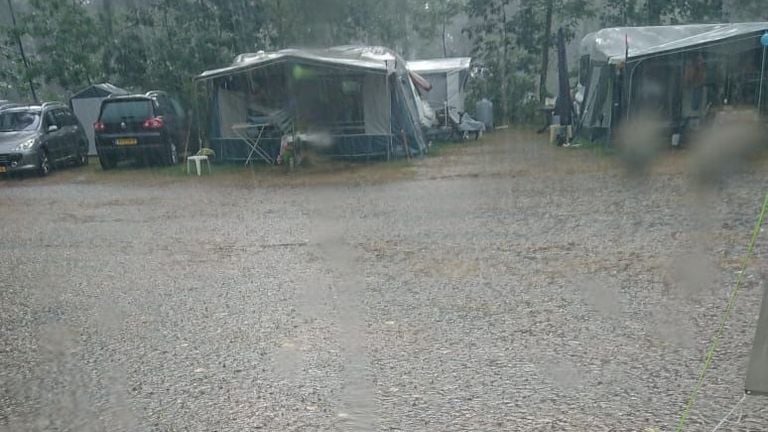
[
  {"x": 3, "y": 169},
  {"x": 126, "y": 141}
]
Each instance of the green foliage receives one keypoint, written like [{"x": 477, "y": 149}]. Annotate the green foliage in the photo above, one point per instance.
[
  {"x": 508, "y": 39},
  {"x": 657, "y": 12},
  {"x": 163, "y": 44},
  {"x": 13, "y": 75},
  {"x": 65, "y": 38},
  {"x": 433, "y": 19}
]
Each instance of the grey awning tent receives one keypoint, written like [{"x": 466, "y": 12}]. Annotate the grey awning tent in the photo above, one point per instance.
[
  {"x": 448, "y": 77},
  {"x": 679, "y": 71},
  {"x": 86, "y": 105},
  {"x": 360, "y": 99}
]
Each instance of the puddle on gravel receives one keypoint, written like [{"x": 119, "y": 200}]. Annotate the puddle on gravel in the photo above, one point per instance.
[{"x": 357, "y": 404}]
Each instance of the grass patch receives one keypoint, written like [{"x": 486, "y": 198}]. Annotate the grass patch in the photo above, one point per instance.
[
  {"x": 598, "y": 149},
  {"x": 440, "y": 148},
  {"x": 315, "y": 170}
]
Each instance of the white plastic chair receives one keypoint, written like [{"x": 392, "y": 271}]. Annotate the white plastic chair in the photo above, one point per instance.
[{"x": 198, "y": 162}]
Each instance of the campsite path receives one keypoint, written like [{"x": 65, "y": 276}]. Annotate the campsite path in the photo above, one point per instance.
[{"x": 500, "y": 285}]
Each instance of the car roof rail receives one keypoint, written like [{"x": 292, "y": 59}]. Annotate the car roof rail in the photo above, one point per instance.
[{"x": 51, "y": 104}]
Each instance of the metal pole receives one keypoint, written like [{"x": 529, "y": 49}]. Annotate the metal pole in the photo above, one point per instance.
[
  {"x": 762, "y": 76},
  {"x": 389, "y": 97},
  {"x": 21, "y": 51},
  {"x": 631, "y": 79}
]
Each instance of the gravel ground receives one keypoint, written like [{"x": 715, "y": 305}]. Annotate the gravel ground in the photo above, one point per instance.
[{"x": 504, "y": 285}]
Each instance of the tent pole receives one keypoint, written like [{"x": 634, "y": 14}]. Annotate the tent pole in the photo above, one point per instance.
[
  {"x": 760, "y": 94},
  {"x": 631, "y": 81},
  {"x": 389, "y": 96}
]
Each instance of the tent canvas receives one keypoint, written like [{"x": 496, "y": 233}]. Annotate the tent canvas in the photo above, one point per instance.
[
  {"x": 351, "y": 101},
  {"x": 610, "y": 44},
  {"x": 86, "y": 105},
  {"x": 680, "y": 72},
  {"x": 448, "y": 77}
]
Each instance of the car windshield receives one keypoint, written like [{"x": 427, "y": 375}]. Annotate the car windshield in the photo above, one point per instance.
[
  {"x": 17, "y": 121},
  {"x": 126, "y": 109}
]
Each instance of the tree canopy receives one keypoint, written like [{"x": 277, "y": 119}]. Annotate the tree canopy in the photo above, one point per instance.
[{"x": 146, "y": 44}]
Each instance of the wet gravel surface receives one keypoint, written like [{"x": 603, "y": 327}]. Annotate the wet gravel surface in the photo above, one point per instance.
[{"x": 503, "y": 286}]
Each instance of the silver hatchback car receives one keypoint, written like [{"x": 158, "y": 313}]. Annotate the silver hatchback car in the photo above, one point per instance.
[{"x": 36, "y": 138}]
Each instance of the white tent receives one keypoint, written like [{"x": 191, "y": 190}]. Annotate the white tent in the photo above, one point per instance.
[
  {"x": 86, "y": 105},
  {"x": 447, "y": 76}
]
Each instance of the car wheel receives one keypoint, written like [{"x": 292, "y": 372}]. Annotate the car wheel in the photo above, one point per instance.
[
  {"x": 107, "y": 162},
  {"x": 171, "y": 153},
  {"x": 43, "y": 163}
]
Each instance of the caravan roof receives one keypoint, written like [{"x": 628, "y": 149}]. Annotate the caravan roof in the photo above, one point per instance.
[
  {"x": 438, "y": 65},
  {"x": 355, "y": 57},
  {"x": 610, "y": 44}
]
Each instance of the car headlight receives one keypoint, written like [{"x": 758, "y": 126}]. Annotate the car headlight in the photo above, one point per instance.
[{"x": 26, "y": 145}]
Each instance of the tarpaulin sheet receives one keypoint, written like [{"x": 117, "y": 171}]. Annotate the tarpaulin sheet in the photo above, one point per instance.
[
  {"x": 455, "y": 93},
  {"x": 451, "y": 64},
  {"x": 370, "y": 58},
  {"x": 610, "y": 44},
  {"x": 87, "y": 111},
  {"x": 232, "y": 111},
  {"x": 439, "y": 93},
  {"x": 376, "y": 105}
]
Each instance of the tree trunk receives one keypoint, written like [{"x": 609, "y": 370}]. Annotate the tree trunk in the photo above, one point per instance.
[
  {"x": 654, "y": 8},
  {"x": 280, "y": 27},
  {"x": 545, "y": 44},
  {"x": 107, "y": 18},
  {"x": 445, "y": 47},
  {"x": 624, "y": 13},
  {"x": 504, "y": 85},
  {"x": 23, "y": 55}
]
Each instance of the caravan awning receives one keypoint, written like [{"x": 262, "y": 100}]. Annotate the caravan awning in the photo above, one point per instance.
[
  {"x": 453, "y": 64},
  {"x": 349, "y": 57},
  {"x": 610, "y": 44}
]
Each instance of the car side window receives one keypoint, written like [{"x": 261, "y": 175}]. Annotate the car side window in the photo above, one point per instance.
[
  {"x": 71, "y": 118},
  {"x": 159, "y": 106},
  {"x": 49, "y": 120},
  {"x": 167, "y": 107},
  {"x": 61, "y": 118}
]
